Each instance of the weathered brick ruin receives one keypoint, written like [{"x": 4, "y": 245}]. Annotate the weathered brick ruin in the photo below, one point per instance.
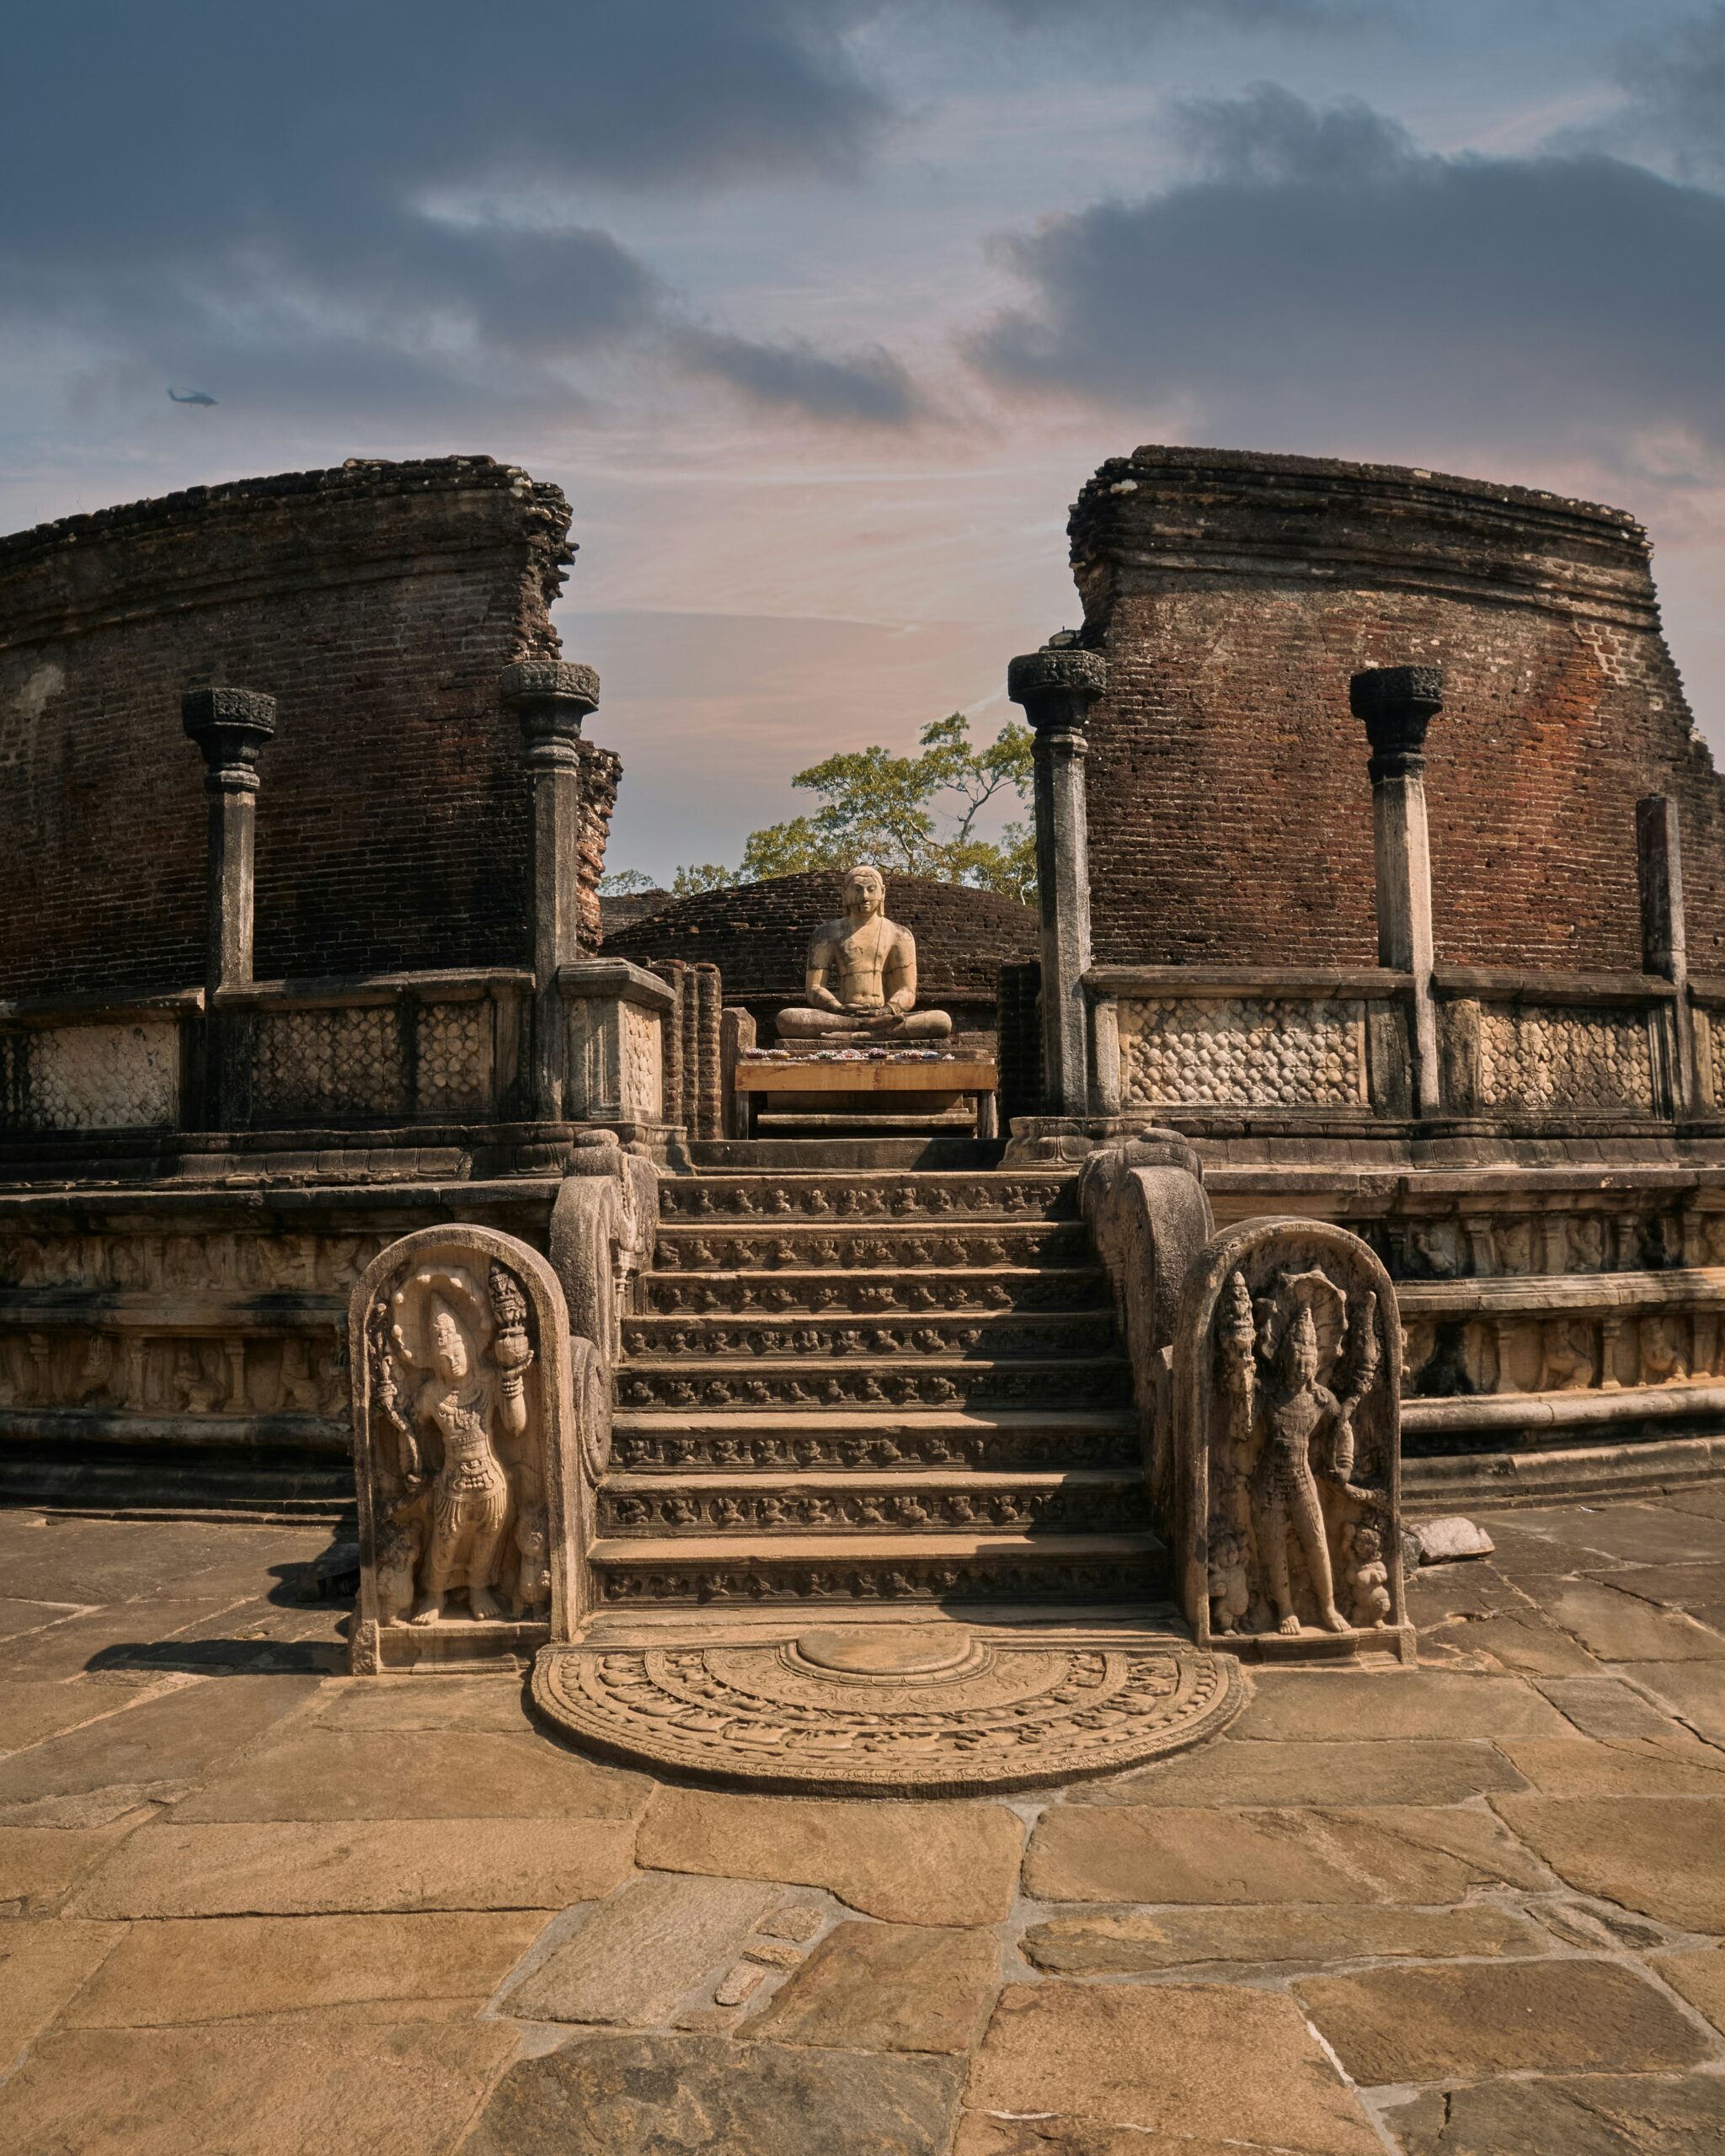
[
  {"x": 1500, "y": 1073},
  {"x": 377, "y": 604},
  {"x": 1499, "y": 1065}
]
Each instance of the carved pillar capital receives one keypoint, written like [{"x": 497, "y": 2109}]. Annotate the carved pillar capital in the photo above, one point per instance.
[
  {"x": 230, "y": 726},
  {"x": 1056, "y": 687},
  {"x": 551, "y": 697},
  {"x": 1397, "y": 704}
]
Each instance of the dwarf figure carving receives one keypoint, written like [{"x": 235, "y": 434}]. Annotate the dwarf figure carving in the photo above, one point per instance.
[{"x": 1369, "y": 1577}]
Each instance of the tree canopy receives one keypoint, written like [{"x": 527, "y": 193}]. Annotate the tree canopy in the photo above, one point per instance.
[{"x": 914, "y": 815}]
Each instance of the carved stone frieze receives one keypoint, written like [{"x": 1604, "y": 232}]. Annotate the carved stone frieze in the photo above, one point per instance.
[
  {"x": 941, "y": 1712},
  {"x": 1287, "y": 1404},
  {"x": 1085, "y": 1334},
  {"x": 935, "y": 1197},
  {"x": 1241, "y": 1052},
  {"x": 634, "y": 1511},
  {"x": 133, "y": 1372},
  {"x": 690, "y": 1295},
  {"x": 1033, "y": 1577},
  {"x": 338, "y": 1062},
  {"x": 93, "y": 1075},
  {"x": 1541, "y": 1060},
  {"x": 1002, "y": 1450},
  {"x": 673, "y": 1384},
  {"x": 465, "y": 1451},
  {"x": 799, "y": 1249},
  {"x": 1609, "y": 1349},
  {"x": 217, "y": 1261}
]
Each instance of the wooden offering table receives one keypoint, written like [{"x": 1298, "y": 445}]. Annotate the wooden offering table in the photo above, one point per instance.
[{"x": 803, "y": 1085}]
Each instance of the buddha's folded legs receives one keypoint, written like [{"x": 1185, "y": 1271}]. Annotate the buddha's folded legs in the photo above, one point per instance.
[{"x": 802, "y": 1022}]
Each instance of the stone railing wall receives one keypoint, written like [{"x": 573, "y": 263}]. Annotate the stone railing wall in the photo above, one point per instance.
[
  {"x": 387, "y": 1052},
  {"x": 1333, "y": 1048}
]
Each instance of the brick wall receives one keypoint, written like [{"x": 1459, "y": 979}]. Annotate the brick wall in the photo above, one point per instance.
[
  {"x": 378, "y": 603},
  {"x": 1230, "y": 807}
]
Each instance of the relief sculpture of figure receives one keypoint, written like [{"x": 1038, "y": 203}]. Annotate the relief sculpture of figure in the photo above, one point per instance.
[
  {"x": 861, "y": 981},
  {"x": 1285, "y": 1490},
  {"x": 461, "y": 1424}
]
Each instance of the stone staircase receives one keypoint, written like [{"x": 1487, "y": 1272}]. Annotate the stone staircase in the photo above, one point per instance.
[{"x": 853, "y": 1387}]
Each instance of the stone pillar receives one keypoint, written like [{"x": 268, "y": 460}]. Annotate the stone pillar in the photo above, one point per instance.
[
  {"x": 1397, "y": 703},
  {"x": 1057, "y": 686},
  {"x": 230, "y": 726},
  {"x": 551, "y": 697},
  {"x": 1664, "y": 937}
]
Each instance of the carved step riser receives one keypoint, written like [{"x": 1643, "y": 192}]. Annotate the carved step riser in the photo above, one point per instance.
[
  {"x": 1109, "y": 1579},
  {"x": 831, "y": 1200},
  {"x": 651, "y": 1340},
  {"x": 1122, "y": 1509},
  {"x": 999, "y": 1385},
  {"x": 1005, "y": 1452},
  {"x": 693, "y": 1294},
  {"x": 801, "y": 1249}
]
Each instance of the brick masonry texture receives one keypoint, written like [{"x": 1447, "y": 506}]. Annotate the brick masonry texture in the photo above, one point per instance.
[
  {"x": 378, "y": 603},
  {"x": 1231, "y": 816}
]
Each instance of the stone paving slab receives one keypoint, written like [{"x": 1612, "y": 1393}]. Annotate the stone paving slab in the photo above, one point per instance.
[
  {"x": 270, "y": 2087},
  {"x": 314, "y": 1773},
  {"x": 1602, "y": 2115},
  {"x": 293, "y": 1868},
  {"x": 1664, "y": 1856},
  {"x": 350, "y": 1916},
  {"x": 1396, "y": 1853},
  {"x": 950, "y": 1862},
  {"x": 1141, "y": 1942},
  {"x": 888, "y": 1987},
  {"x": 683, "y": 2095},
  {"x": 157, "y": 1750},
  {"x": 1480, "y": 2018},
  {"x": 223, "y": 1968},
  {"x": 1235, "y": 2066},
  {"x": 1419, "y": 1704}
]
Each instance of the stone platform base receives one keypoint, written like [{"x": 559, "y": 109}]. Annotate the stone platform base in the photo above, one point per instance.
[{"x": 878, "y": 1710}]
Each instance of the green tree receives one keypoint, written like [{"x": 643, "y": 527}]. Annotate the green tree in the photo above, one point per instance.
[
  {"x": 916, "y": 815},
  {"x": 622, "y": 882}
]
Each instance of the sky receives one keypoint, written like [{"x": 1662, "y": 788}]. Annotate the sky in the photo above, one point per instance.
[{"x": 821, "y": 311}]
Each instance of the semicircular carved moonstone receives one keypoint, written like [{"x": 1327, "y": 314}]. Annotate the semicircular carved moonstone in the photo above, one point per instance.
[{"x": 806, "y": 1715}]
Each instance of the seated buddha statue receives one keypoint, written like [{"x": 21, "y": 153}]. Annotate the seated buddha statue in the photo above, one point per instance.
[{"x": 861, "y": 980}]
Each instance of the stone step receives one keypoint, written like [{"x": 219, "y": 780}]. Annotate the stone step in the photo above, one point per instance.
[
  {"x": 989, "y": 1335},
  {"x": 1000, "y": 1568},
  {"x": 896, "y": 1245},
  {"x": 1075, "y": 1501},
  {"x": 902, "y": 1381},
  {"x": 946, "y": 1290},
  {"x": 847, "y": 1199},
  {"x": 1003, "y": 1440}
]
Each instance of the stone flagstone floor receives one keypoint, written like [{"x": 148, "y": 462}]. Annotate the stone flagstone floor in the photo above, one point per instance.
[{"x": 254, "y": 1908}]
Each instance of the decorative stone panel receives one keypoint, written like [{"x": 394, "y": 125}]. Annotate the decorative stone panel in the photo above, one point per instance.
[
  {"x": 643, "y": 1063},
  {"x": 1242, "y": 1052},
  {"x": 1547, "y": 1059},
  {"x": 338, "y": 1063},
  {"x": 452, "y": 1043},
  {"x": 107, "y": 1076}
]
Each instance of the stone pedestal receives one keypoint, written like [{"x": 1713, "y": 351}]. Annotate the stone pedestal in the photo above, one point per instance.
[{"x": 614, "y": 1044}]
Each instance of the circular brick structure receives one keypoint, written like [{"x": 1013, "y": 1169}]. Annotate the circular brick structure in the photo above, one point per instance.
[{"x": 757, "y": 934}]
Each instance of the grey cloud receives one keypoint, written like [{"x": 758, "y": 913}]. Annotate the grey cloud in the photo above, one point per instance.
[
  {"x": 870, "y": 388},
  {"x": 1324, "y": 279},
  {"x": 1677, "y": 94}
]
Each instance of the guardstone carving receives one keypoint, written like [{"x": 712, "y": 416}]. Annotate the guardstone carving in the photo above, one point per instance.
[
  {"x": 1287, "y": 1405},
  {"x": 470, "y": 1528}
]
